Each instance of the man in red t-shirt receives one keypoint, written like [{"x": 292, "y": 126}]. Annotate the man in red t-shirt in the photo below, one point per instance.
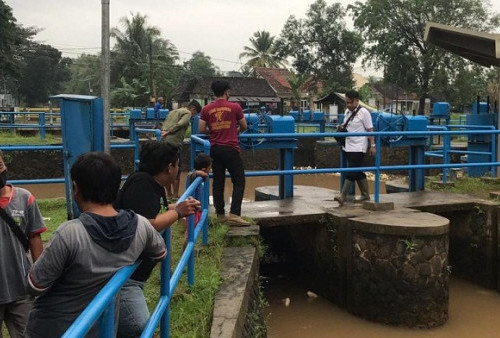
[{"x": 223, "y": 120}]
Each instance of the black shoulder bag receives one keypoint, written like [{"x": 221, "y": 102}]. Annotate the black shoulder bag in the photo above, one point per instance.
[
  {"x": 15, "y": 229},
  {"x": 342, "y": 128}
]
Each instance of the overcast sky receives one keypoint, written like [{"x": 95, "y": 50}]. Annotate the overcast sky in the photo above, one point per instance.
[{"x": 219, "y": 28}]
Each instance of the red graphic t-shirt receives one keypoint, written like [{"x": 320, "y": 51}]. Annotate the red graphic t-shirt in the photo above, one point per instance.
[{"x": 222, "y": 119}]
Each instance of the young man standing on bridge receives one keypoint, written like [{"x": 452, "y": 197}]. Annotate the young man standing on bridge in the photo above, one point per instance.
[
  {"x": 358, "y": 119},
  {"x": 20, "y": 229},
  {"x": 84, "y": 253},
  {"x": 223, "y": 120},
  {"x": 173, "y": 132}
]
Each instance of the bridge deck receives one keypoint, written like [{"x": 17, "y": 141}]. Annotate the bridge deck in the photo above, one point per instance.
[{"x": 312, "y": 202}]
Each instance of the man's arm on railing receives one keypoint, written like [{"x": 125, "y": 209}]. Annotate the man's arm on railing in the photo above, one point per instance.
[{"x": 169, "y": 217}]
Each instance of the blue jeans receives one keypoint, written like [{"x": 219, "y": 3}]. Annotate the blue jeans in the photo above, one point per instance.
[{"x": 134, "y": 312}]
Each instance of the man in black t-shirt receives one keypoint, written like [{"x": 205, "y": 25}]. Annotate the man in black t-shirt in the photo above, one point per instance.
[{"x": 144, "y": 193}]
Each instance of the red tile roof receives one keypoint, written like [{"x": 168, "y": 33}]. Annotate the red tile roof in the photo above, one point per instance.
[{"x": 277, "y": 79}]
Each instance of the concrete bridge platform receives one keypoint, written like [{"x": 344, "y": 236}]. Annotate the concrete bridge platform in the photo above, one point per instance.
[{"x": 387, "y": 266}]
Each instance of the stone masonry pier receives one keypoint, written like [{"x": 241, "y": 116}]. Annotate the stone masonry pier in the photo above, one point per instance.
[{"x": 387, "y": 266}]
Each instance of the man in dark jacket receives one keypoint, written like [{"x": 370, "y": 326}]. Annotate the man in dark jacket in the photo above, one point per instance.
[{"x": 144, "y": 193}]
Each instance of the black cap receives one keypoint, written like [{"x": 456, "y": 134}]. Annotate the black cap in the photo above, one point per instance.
[{"x": 196, "y": 105}]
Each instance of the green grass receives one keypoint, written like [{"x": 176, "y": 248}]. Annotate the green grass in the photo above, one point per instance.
[
  {"x": 54, "y": 213},
  {"x": 191, "y": 308},
  {"x": 6, "y": 138},
  {"x": 475, "y": 186}
]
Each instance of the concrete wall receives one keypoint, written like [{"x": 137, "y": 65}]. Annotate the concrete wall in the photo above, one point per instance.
[
  {"x": 238, "y": 309},
  {"x": 375, "y": 273},
  {"x": 49, "y": 163},
  {"x": 474, "y": 241},
  {"x": 310, "y": 152}
]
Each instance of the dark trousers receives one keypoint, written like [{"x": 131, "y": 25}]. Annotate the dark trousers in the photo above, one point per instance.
[
  {"x": 354, "y": 160},
  {"x": 227, "y": 158}
]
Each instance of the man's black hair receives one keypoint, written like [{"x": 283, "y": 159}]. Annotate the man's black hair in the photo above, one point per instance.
[
  {"x": 196, "y": 105},
  {"x": 97, "y": 176},
  {"x": 202, "y": 161},
  {"x": 352, "y": 94},
  {"x": 219, "y": 87},
  {"x": 155, "y": 156}
]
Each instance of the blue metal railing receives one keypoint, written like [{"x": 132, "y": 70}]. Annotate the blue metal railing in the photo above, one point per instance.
[
  {"x": 102, "y": 306},
  {"x": 377, "y": 168},
  {"x": 444, "y": 153},
  {"x": 42, "y": 125},
  {"x": 447, "y": 149}
]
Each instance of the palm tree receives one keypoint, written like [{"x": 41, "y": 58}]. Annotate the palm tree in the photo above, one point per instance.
[
  {"x": 141, "y": 54},
  {"x": 297, "y": 83},
  {"x": 262, "y": 52}
]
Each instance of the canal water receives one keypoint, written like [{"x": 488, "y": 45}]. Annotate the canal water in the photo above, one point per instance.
[
  {"x": 329, "y": 181},
  {"x": 473, "y": 312}
]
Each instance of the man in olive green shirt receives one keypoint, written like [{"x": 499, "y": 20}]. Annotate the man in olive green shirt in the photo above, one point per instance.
[{"x": 174, "y": 131}]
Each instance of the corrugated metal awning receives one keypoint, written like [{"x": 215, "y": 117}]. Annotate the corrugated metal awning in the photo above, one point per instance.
[
  {"x": 253, "y": 99},
  {"x": 480, "y": 47}
]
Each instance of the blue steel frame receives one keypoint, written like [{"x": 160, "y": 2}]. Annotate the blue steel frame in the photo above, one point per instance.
[
  {"x": 43, "y": 127},
  {"x": 103, "y": 304},
  {"x": 416, "y": 158},
  {"x": 447, "y": 149},
  {"x": 201, "y": 144}
]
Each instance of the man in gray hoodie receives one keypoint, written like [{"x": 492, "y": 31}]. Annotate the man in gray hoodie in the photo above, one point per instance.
[{"x": 84, "y": 253}]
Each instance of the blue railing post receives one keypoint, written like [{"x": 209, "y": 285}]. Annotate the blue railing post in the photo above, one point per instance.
[
  {"x": 378, "y": 155},
  {"x": 12, "y": 122},
  {"x": 41, "y": 124},
  {"x": 343, "y": 164},
  {"x": 190, "y": 239},
  {"x": 446, "y": 156},
  {"x": 165, "y": 286},
  {"x": 494, "y": 142},
  {"x": 286, "y": 181},
  {"x": 205, "y": 206},
  {"x": 135, "y": 139},
  {"x": 107, "y": 321}
]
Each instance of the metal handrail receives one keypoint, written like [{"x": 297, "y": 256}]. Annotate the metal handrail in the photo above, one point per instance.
[
  {"x": 161, "y": 313},
  {"x": 42, "y": 125},
  {"x": 102, "y": 306}
]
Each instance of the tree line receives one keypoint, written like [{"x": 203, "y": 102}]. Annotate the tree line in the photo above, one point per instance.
[{"x": 319, "y": 48}]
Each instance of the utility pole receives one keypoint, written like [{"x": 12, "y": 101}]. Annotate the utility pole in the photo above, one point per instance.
[
  {"x": 105, "y": 77},
  {"x": 152, "y": 90}
]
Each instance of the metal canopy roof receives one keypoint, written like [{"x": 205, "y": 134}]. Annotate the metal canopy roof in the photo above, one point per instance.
[
  {"x": 480, "y": 47},
  {"x": 74, "y": 97}
]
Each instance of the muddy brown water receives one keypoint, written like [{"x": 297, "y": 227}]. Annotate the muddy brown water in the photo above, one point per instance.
[
  {"x": 473, "y": 312},
  {"x": 319, "y": 180}
]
